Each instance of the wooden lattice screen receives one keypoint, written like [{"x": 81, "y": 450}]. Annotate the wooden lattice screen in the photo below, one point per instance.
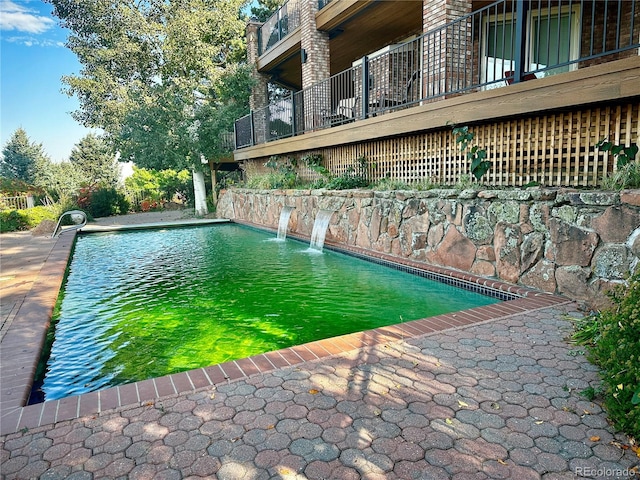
[{"x": 555, "y": 149}]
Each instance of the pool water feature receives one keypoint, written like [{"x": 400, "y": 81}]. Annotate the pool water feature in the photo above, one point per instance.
[
  {"x": 144, "y": 304},
  {"x": 319, "y": 231},
  {"x": 283, "y": 223}
]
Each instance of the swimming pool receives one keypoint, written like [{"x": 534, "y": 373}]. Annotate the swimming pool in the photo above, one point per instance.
[{"x": 143, "y": 304}]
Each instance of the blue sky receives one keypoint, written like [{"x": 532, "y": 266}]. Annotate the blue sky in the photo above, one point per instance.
[{"x": 32, "y": 61}]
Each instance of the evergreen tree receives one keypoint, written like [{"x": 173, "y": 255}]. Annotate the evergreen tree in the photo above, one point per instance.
[
  {"x": 59, "y": 179},
  {"x": 19, "y": 157},
  {"x": 96, "y": 160}
]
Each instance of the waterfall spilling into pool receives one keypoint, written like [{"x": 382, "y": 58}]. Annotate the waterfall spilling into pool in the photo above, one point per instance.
[
  {"x": 285, "y": 214},
  {"x": 320, "y": 229}
]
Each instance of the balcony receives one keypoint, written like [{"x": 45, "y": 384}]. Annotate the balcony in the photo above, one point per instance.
[
  {"x": 507, "y": 42},
  {"x": 279, "y": 25}
]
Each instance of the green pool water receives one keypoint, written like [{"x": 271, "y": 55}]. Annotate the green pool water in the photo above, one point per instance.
[{"x": 143, "y": 304}]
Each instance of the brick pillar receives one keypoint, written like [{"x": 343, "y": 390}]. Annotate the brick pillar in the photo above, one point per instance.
[
  {"x": 259, "y": 92},
  {"x": 316, "y": 66},
  {"x": 445, "y": 53}
]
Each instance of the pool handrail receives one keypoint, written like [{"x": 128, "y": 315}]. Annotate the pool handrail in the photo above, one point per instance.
[{"x": 75, "y": 226}]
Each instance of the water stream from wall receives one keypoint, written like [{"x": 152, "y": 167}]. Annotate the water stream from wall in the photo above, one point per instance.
[
  {"x": 320, "y": 229},
  {"x": 285, "y": 214}
]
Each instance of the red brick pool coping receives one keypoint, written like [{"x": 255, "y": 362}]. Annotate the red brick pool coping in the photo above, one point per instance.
[{"x": 22, "y": 344}]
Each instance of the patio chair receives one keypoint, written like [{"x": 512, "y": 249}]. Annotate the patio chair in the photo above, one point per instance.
[
  {"x": 345, "y": 112},
  {"x": 390, "y": 100}
]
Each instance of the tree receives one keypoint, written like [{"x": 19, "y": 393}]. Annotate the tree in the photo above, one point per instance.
[
  {"x": 133, "y": 51},
  {"x": 265, "y": 8},
  {"x": 164, "y": 135},
  {"x": 19, "y": 157},
  {"x": 148, "y": 67},
  {"x": 228, "y": 102},
  {"x": 58, "y": 179},
  {"x": 96, "y": 160},
  {"x": 160, "y": 185},
  {"x": 144, "y": 181},
  {"x": 92, "y": 162},
  {"x": 156, "y": 135}
]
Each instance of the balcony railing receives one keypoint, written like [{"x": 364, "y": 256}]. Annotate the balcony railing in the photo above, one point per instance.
[
  {"x": 279, "y": 25},
  {"x": 507, "y": 42}
]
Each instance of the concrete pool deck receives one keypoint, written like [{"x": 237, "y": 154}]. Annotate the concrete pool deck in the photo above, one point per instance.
[{"x": 492, "y": 392}]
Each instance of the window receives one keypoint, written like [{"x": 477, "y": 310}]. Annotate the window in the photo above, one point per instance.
[
  {"x": 500, "y": 48},
  {"x": 553, "y": 36},
  {"x": 554, "y": 40}
]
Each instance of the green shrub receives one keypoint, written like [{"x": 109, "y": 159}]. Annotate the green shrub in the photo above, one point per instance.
[
  {"x": 108, "y": 201},
  {"x": 387, "y": 184},
  {"x": 102, "y": 201},
  {"x": 425, "y": 184},
  {"x": 391, "y": 184},
  {"x": 270, "y": 181},
  {"x": 627, "y": 176},
  {"x": 612, "y": 338},
  {"x": 36, "y": 215},
  {"x": 347, "y": 181},
  {"x": 19, "y": 220},
  {"x": 228, "y": 179},
  {"x": 284, "y": 172},
  {"x": 356, "y": 176},
  {"x": 476, "y": 155},
  {"x": 13, "y": 221},
  {"x": 159, "y": 186},
  {"x": 313, "y": 161}
]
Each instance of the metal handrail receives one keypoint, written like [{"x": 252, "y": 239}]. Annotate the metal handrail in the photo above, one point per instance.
[
  {"x": 279, "y": 25},
  {"x": 76, "y": 226}
]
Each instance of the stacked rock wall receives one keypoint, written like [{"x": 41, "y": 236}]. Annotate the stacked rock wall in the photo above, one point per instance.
[{"x": 574, "y": 243}]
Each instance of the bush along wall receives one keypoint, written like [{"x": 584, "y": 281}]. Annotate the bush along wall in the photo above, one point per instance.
[{"x": 570, "y": 242}]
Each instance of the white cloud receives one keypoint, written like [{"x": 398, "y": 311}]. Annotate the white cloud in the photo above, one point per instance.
[
  {"x": 18, "y": 17},
  {"x": 30, "y": 41}
]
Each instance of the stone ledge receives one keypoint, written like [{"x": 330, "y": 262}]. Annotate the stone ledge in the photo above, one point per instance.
[{"x": 559, "y": 196}]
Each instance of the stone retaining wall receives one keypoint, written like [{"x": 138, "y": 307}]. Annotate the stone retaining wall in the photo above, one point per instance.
[{"x": 574, "y": 243}]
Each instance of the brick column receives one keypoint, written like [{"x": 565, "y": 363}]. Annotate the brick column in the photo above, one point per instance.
[
  {"x": 259, "y": 92},
  {"x": 445, "y": 53},
  {"x": 316, "y": 65}
]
